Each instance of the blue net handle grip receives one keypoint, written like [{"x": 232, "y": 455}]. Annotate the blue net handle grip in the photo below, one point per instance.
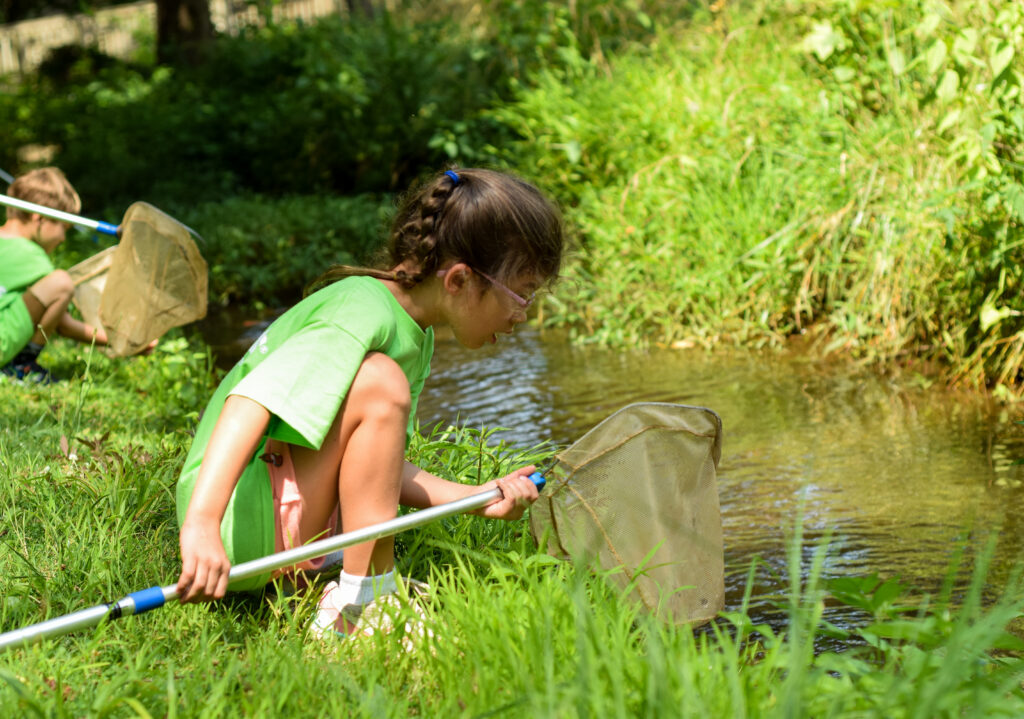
[
  {"x": 538, "y": 479},
  {"x": 106, "y": 228},
  {"x": 147, "y": 599}
]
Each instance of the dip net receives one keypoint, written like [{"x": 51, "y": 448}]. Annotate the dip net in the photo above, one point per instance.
[
  {"x": 151, "y": 281},
  {"x": 638, "y": 493}
]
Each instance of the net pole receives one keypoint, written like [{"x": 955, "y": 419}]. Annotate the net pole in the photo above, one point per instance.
[
  {"x": 155, "y": 597},
  {"x": 105, "y": 227}
]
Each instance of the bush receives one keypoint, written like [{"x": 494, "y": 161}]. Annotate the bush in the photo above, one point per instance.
[
  {"x": 263, "y": 252},
  {"x": 337, "y": 107},
  {"x": 809, "y": 172},
  {"x": 955, "y": 71}
]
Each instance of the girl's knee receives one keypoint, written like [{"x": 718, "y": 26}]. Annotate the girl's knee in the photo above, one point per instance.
[{"x": 381, "y": 384}]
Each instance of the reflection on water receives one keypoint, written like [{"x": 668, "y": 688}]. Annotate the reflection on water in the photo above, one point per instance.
[{"x": 891, "y": 473}]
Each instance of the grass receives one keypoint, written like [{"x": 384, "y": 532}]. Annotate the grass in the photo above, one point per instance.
[
  {"x": 89, "y": 518},
  {"x": 728, "y": 185},
  {"x": 727, "y": 211}
]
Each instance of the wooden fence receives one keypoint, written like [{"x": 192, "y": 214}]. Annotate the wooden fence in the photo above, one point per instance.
[{"x": 116, "y": 30}]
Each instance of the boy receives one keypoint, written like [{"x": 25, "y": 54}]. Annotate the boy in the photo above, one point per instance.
[{"x": 34, "y": 296}]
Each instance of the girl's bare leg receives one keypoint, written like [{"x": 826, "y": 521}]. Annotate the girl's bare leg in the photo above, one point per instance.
[
  {"x": 359, "y": 464},
  {"x": 47, "y": 301}
]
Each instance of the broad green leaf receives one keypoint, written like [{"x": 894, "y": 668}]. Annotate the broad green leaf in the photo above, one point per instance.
[
  {"x": 1002, "y": 55},
  {"x": 936, "y": 57},
  {"x": 573, "y": 151},
  {"x": 988, "y": 133},
  {"x": 1013, "y": 195},
  {"x": 948, "y": 86},
  {"x": 951, "y": 119},
  {"x": 927, "y": 27},
  {"x": 1016, "y": 117},
  {"x": 887, "y": 592},
  {"x": 964, "y": 45},
  {"x": 991, "y": 315},
  {"x": 823, "y": 40},
  {"x": 897, "y": 61},
  {"x": 844, "y": 73}
]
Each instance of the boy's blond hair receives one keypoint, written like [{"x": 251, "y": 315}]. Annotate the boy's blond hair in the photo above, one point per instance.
[{"x": 46, "y": 186}]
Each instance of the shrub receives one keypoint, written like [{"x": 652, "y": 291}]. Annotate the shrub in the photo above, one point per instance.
[
  {"x": 751, "y": 186},
  {"x": 340, "y": 106}
]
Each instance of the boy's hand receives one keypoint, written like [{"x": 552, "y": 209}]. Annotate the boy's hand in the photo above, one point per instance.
[
  {"x": 519, "y": 490},
  {"x": 204, "y": 564}
]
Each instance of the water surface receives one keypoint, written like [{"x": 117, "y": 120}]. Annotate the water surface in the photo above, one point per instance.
[{"x": 892, "y": 471}]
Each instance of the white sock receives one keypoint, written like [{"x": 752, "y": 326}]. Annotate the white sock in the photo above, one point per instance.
[{"x": 363, "y": 590}]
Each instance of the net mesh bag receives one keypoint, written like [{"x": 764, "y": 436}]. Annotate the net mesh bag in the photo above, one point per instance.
[
  {"x": 639, "y": 493},
  {"x": 153, "y": 280},
  {"x": 90, "y": 277}
]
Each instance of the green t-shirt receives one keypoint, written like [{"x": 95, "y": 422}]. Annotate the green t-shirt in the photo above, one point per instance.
[
  {"x": 300, "y": 369},
  {"x": 24, "y": 262}
]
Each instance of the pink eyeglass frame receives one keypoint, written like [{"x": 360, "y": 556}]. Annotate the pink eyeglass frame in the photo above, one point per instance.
[{"x": 519, "y": 300}]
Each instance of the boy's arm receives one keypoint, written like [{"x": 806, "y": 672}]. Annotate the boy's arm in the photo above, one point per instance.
[
  {"x": 84, "y": 332},
  {"x": 74, "y": 329}
]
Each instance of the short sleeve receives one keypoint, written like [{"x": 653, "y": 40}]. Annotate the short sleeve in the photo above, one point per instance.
[{"x": 303, "y": 381}]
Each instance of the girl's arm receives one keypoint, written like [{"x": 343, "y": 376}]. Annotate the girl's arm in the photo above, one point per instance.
[
  {"x": 421, "y": 489},
  {"x": 235, "y": 438}
]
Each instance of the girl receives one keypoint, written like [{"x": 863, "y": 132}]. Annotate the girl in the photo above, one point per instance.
[{"x": 317, "y": 415}]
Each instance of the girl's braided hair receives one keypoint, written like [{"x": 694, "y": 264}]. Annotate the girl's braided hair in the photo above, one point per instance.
[{"x": 493, "y": 221}]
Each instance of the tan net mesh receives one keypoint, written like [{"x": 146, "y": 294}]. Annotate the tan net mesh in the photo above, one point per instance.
[
  {"x": 153, "y": 280},
  {"x": 90, "y": 277},
  {"x": 639, "y": 491}
]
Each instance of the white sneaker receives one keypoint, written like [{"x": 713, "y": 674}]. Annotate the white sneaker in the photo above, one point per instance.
[{"x": 396, "y": 611}]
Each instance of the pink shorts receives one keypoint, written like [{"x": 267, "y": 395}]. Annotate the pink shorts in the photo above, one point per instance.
[{"x": 288, "y": 504}]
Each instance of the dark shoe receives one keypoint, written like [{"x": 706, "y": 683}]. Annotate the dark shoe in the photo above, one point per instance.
[{"x": 26, "y": 369}]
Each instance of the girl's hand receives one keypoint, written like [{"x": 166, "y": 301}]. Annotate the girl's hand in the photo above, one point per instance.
[
  {"x": 519, "y": 490},
  {"x": 204, "y": 564}
]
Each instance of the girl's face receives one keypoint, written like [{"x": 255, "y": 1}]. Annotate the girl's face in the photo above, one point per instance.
[{"x": 490, "y": 307}]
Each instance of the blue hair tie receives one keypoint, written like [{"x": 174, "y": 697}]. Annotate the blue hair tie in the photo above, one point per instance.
[{"x": 451, "y": 174}]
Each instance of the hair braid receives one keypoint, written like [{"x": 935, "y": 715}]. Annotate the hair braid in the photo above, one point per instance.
[
  {"x": 417, "y": 239},
  {"x": 492, "y": 221}
]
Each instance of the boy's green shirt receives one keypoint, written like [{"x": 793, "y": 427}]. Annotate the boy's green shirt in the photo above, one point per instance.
[
  {"x": 301, "y": 369},
  {"x": 24, "y": 262}
]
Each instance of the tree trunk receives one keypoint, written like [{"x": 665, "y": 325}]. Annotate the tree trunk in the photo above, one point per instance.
[
  {"x": 361, "y": 8},
  {"x": 183, "y": 31}
]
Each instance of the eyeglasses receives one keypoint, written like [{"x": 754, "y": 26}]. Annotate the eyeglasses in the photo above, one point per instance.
[{"x": 523, "y": 302}]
